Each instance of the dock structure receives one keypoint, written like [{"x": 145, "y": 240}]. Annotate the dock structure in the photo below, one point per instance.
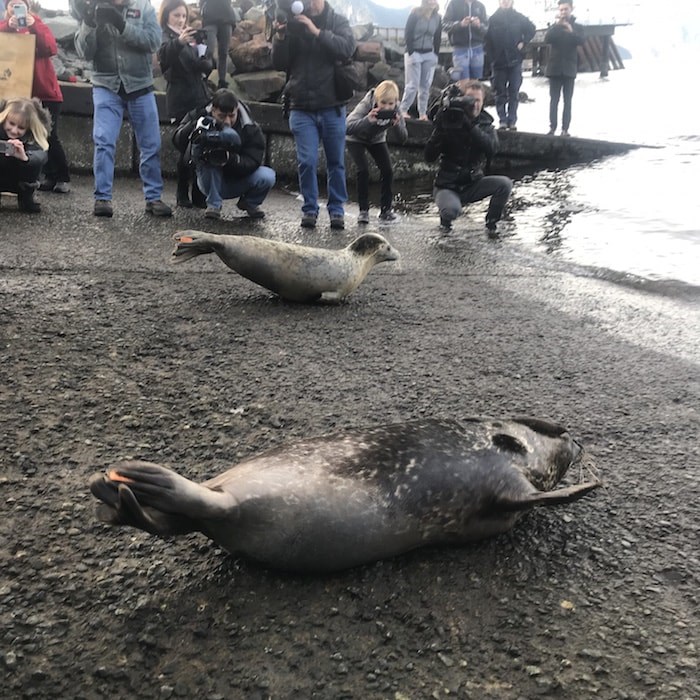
[{"x": 597, "y": 53}]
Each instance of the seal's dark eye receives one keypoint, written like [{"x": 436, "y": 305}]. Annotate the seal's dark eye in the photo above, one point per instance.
[{"x": 508, "y": 443}]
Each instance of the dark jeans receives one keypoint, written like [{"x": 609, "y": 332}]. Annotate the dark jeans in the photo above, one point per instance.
[
  {"x": 16, "y": 175},
  {"x": 506, "y": 86},
  {"x": 219, "y": 36},
  {"x": 380, "y": 155},
  {"x": 56, "y": 169},
  {"x": 560, "y": 84},
  {"x": 498, "y": 187}
]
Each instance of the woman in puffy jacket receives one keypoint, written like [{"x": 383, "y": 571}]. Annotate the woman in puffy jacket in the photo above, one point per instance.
[
  {"x": 46, "y": 88},
  {"x": 219, "y": 18}
]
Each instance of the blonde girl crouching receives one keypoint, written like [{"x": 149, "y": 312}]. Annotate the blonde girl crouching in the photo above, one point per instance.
[{"x": 24, "y": 129}]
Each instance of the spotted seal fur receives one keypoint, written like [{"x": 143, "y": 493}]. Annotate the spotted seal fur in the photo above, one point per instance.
[
  {"x": 294, "y": 272},
  {"x": 334, "y": 502}
]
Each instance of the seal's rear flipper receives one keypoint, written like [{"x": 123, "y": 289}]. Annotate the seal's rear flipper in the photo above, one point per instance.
[
  {"x": 120, "y": 507},
  {"x": 190, "y": 244},
  {"x": 567, "y": 494}
]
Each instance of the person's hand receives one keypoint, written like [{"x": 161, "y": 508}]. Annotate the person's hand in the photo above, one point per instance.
[
  {"x": 280, "y": 28},
  {"x": 466, "y": 21},
  {"x": 308, "y": 23},
  {"x": 372, "y": 115},
  {"x": 476, "y": 22},
  {"x": 187, "y": 35},
  {"x": 17, "y": 150},
  {"x": 520, "y": 45},
  {"x": 111, "y": 15}
]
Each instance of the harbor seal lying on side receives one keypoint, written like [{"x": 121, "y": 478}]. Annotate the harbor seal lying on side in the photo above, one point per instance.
[
  {"x": 295, "y": 272},
  {"x": 337, "y": 501}
]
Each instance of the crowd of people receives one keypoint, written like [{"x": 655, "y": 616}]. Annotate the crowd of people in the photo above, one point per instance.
[{"x": 222, "y": 148}]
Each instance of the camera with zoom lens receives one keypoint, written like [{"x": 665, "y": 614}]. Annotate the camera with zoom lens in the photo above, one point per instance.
[
  {"x": 212, "y": 143},
  {"x": 88, "y": 10},
  {"x": 200, "y": 36},
  {"x": 455, "y": 108}
]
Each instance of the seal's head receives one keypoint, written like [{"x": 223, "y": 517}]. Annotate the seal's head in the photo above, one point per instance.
[
  {"x": 372, "y": 245},
  {"x": 541, "y": 450}
]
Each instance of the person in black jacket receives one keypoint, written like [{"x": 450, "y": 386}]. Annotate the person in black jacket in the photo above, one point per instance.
[
  {"x": 219, "y": 18},
  {"x": 508, "y": 33},
  {"x": 564, "y": 38},
  {"x": 464, "y": 140},
  {"x": 307, "y": 48},
  {"x": 227, "y": 149},
  {"x": 185, "y": 65}
]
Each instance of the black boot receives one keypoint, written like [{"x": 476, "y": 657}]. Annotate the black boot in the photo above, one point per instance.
[
  {"x": 184, "y": 175},
  {"x": 25, "y": 198}
]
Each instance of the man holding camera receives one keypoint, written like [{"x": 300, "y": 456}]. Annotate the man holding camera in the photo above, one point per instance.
[
  {"x": 120, "y": 37},
  {"x": 227, "y": 149},
  {"x": 464, "y": 139}
]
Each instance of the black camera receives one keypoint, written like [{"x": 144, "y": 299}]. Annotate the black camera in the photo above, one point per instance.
[
  {"x": 200, "y": 36},
  {"x": 455, "y": 108},
  {"x": 212, "y": 143},
  {"x": 386, "y": 115}
]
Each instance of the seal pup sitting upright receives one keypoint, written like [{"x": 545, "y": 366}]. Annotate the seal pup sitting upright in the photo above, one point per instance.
[
  {"x": 294, "y": 272},
  {"x": 337, "y": 501}
]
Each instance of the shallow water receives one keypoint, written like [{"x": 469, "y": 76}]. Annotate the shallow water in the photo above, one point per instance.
[{"x": 633, "y": 217}]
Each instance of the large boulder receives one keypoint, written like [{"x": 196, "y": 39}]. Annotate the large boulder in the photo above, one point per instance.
[
  {"x": 253, "y": 55},
  {"x": 261, "y": 86}
]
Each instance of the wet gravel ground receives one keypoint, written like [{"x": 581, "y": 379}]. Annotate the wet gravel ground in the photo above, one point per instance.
[{"x": 110, "y": 352}]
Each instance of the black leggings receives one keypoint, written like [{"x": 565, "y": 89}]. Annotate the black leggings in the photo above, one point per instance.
[
  {"x": 56, "y": 168},
  {"x": 18, "y": 175},
  {"x": 380, "y": 155}
]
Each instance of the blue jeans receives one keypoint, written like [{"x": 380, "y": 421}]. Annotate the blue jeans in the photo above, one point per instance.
[
  {"x": 213, "y": 182},
  {"x": 420, "y": 70},
  {"x": 326, "y": 126},
  {"x": 143, "y": 115},
  {"x": 506, "y": 86},
  {"x": 467, "y": 63}
]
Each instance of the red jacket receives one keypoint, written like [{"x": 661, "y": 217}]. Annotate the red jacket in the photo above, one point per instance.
[{"x": 45, "y": 85}]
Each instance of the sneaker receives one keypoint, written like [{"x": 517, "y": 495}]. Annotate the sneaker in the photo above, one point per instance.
[
  {"x": 491, "y": 224},
  {"x": 337, "y": 221},
  {"x": 212, "y": 213},
  {"x": 158, "y": 208},
  {"x": 103, "y": 207},
  {"x": 363, "y": 216},
  {"x": 445, "y": 223},
  {"x": 564, "y": 132},
  {"x": 61, "y": 188},
  {"x": 512, "y": 127},
  {"x": 550, "y": 132},
  {"x": 253, "y": 211},
  {"x": 388, "y": 216},
  {"x": 308, "y": 221},
  {"x": 47, "y": 185},
  {"x": 503, "y": 127}
]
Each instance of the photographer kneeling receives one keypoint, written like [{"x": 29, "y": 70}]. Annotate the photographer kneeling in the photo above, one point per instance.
[
  {"x": 464, "y": 139},
  {"x": 226, "y": 148}
]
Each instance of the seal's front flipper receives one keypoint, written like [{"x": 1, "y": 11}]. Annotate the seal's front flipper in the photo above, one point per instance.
[{"x": 567, "y": 494}]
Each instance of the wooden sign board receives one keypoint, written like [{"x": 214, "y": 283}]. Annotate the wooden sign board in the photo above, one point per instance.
[{"x": 16, "y": 65}]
